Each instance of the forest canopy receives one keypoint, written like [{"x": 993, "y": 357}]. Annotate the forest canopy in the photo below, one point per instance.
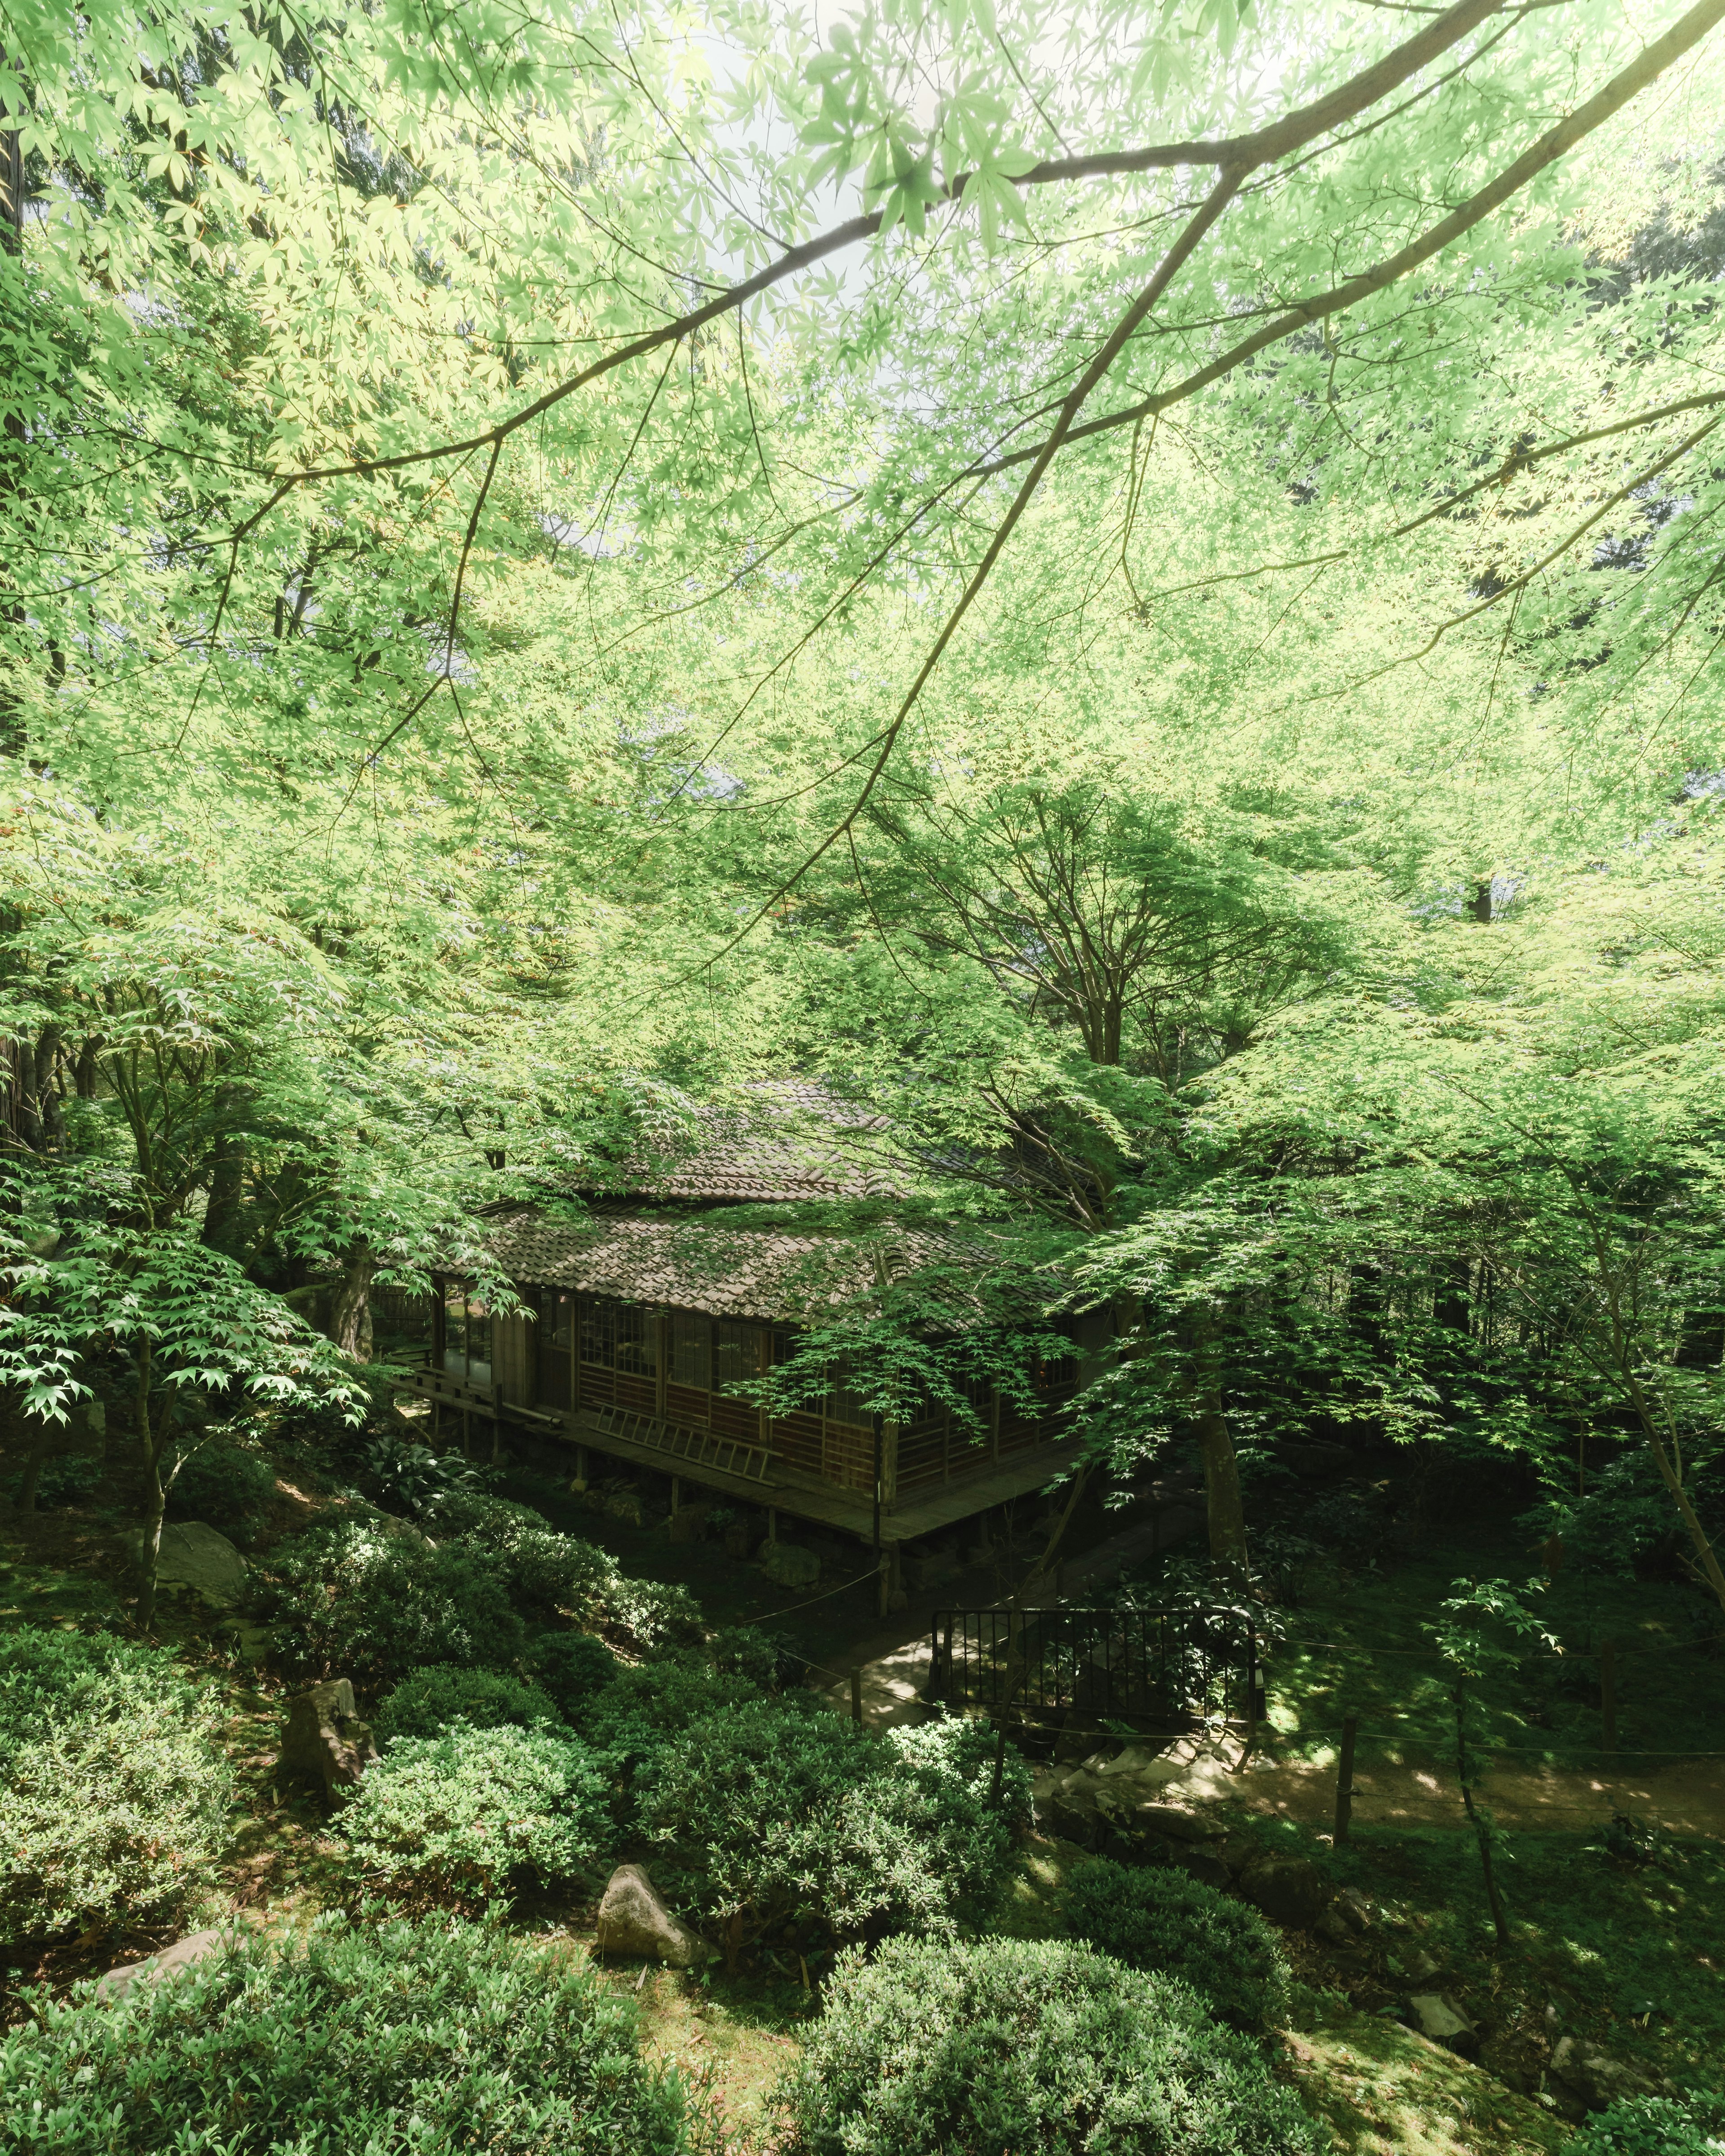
[{"x": 1133, "y": 589}]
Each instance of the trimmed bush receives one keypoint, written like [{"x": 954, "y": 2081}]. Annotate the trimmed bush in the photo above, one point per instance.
[
  {"x": 441, "y": 2037},
  {"x": 1171, "y": 1922},
  {"x": 431, "y": 1699},
  {"x": 573, "y": 1667},
  {"x": 463, "y": 1819},
  {"x": 764, "y": 1659},
  {"x": 1693, "y": 2125},
  {"x": 1022, "y": 2045},
  {"x": 554, "y": 1571},
  {"x": 354, "y": 1598},
  {"x": 220, "y": 1484},
  {"x": 780, "y": 1816},
  {"x": 113, "y": 1794}
]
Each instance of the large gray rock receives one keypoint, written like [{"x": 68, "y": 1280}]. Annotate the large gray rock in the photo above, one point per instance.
[
  {"x": 196, "y": 1556},
  {"x": 1593, "y": 2077},
  {"x": 196, "y": 1946},
  {"x": 1072, "y": 1812},
  {"x": 786, "y": 1565},
  {"x": 633, "y": 1920},
  {"x": 1436, "y": 2015},
  {"x": 1289, "y": 1890},
  {"x": 1202, "y": 1863},
  {"x": 324, "y": 1740},
  {"x": 1175, "y": 1823}
]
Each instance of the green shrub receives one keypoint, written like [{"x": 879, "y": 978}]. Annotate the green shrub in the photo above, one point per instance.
[
  {"x": 220, "y": 1484},
  {"x": 550, "y": 1570},
  {"x": 432, "y": 1698},
  {"x": 574, "y": 1667},
  {"x": 438, "y": 2037},
  {"x": 1655, "y": 2125},
  {"x": 1020, "y": 2045},
  {"x": 68, "y": 1480},
  {"x": 643, "y": 1707},
  {"x": 353, "y": 1598},
  {"x": 779, "y": 1815},
  {"x": 1169, "y": 1922},
  {"x": 113, "y": 1794},
  {"x": 650, "y": 1614},
  {"x": 765, "y": 1659},
  {"x": 461, "y": 1819}
]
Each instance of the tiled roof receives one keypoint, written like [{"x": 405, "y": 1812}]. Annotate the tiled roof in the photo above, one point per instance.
[
  {"x": 789, "y": 1141},
  {"x": 772, "y": 1275}
]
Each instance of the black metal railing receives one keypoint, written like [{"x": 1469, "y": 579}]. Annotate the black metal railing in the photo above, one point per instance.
[{"x": 1155, "y": 1672}]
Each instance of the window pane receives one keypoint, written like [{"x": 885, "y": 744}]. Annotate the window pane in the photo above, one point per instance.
[
  {"x": 598, "y": 1332},
  {"x": 456, "y": 1332},
  {"x": 690, "y": 1350},
  {"x": 843, "y": 1405},
  {"x": 736, "y": 1353},
  {"x": 637, "y": 1340},
  {"x": 478, "y": 1344}
]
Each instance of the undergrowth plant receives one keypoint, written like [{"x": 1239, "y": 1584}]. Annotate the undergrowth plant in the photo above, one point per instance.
[
  {"x": 437, "y": 2037},
  {"x": 114, "y": 1790}
]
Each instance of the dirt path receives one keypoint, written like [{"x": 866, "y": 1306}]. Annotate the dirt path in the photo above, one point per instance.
[{"x": 1687, "y": 1797}]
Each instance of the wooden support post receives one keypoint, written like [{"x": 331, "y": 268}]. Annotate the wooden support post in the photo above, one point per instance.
[
  {"x": 856, "y": 1694},
  {"x": 580, "y": 1467},
  {"x": 772, "y": 1523},
  {"x": 676, "y": 1495},
  {"x": 1344, "y": 1778},
  {"x": 1608, "y": 1692},
  {"x": 881, "y": 1588}
]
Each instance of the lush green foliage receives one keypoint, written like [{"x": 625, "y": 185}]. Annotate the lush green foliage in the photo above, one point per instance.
[
  {"x": 428, "y": 1701},
  {"x": 547, "y": 1570},
  {"x": 572, "y": 1668},
  {"x": 940, "y": 2050},
  {"x": 1170, "y": 1922},
  {"x": 460, "y": 1819},
  {"x": 480, "y": 2040},
  {"x": 779, "y": 1815},
  {"x": 113, "y": 1794},
  {"x": 353, "y": 1598},
  {"x": 1655, "y": 2125},
  {"x": 230, "y": 1488}
]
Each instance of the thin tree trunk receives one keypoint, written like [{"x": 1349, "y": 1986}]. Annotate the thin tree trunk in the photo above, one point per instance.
[
  {"x": 41, "y": 1445},
  {"x": 226, "y": 1180},
  {"x": 351, "y": 1322},
  {"x": 1224, "y": 1504},
  {"x": 153, "y": 1445},
  {"x": 1477, "y": 1820}
]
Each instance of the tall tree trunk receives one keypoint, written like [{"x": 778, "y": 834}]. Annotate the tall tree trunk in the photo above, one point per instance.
[
  {"x": 1222, "y": 1503},
  {"x": 152, "y": 1444},
  {"x": 351, "y": 1322},
  {"x": 222, "y": 1230}
]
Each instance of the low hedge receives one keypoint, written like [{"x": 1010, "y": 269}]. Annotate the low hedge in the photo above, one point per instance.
[
  {"x": 998, "y": 2045},
  {"x": 431, "y": 1699},
  {"x": 461, "y": 1819},
  {"x": 358, "y": 1598},
  {"x": 778, "y": 1816},
  {"x": 432, "y": 2037},
  {"x": 114, "y": 1791},
  {"x": 1169, "y": 1922}
]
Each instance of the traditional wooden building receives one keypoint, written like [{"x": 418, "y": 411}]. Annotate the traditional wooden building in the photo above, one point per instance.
[{"x": 650, "y": 1314}]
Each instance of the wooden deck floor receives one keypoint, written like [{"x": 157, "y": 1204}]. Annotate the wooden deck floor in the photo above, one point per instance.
[{"x": 800, "y": 1496}]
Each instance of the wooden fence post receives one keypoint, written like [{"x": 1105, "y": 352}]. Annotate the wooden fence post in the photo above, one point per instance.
[
  {"x": 1344, "y": 1778},
  {"x": 856, "y": 1694},
  {"x": 1608, "y": 1692}
]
